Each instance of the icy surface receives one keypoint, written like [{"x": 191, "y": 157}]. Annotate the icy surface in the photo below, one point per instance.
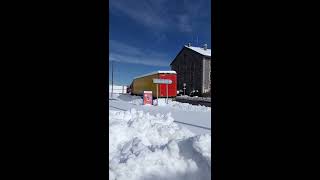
[{"x": 153, "y": 147}]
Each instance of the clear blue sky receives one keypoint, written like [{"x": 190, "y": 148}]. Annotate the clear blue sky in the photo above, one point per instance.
[{"x": 146, "y": 35}]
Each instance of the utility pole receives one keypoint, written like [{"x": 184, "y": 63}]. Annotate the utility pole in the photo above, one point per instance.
[
  {"x": 112, "y": 80},
  {"x": 157, "y": 95},
  {"x": 167, "y": 95}
]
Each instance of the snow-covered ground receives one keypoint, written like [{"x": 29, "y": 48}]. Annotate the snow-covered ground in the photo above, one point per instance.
[
  {"x": 195, "y": 118},
  {"x": 208, "y": 99},
  {"x": 142, "y": 146},
  {"x": 166, "y": 142}
]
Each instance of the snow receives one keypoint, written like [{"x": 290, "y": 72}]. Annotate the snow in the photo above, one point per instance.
[
  {"x": 195, "y": 98},
  {"x": 156, "y": 72},
  {"x": 200, "y": 50},
  {"x": 137, "y": 100},
  {"x": 195, "y": 118},
  {"x": 154, "y": 147},
  {"x": 118, "y": 89}
]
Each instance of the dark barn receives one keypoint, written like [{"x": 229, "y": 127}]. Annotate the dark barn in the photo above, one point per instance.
[{"x": 193, "y": 67}]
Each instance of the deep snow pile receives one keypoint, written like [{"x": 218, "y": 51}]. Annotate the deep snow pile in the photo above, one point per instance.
[{"x": 148, "y": 147}]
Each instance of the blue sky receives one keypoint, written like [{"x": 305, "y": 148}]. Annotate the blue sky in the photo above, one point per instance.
[{"x": 146, "y": 35}]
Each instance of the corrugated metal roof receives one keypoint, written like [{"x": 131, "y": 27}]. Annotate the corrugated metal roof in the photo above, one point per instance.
[
  {"x": 157, "y": 72},
  {"x": 200, "y": 50}
]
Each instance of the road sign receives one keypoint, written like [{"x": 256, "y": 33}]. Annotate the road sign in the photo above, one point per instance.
[{"x": 162, "y": 81}]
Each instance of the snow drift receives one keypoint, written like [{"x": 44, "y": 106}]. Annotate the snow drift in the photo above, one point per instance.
[
  {"x": 142, "y": 146},
  {"x": 136, "y": 100}
]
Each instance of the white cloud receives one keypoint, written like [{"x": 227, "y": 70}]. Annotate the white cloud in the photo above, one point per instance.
[
  {"x": 162, "y": 14},
  {"x": 122, "y": 52},
  {"x": 143, "y": 11}
]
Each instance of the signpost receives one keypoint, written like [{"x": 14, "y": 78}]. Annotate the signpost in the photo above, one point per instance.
[
  {"x": 184, "y": 88},
  {"x": 162, "y": 81}
]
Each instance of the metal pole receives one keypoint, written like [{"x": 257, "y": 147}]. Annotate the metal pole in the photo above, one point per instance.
[
  {"x": 167, "y": 94},
  {"x": 112, "y": 81},
  {"x": 157, "y": 96}
]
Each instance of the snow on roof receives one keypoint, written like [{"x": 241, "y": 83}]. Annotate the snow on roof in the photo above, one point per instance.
[
  {"x": 156, "y": 72},
  {"x": 200, "y": 50}
]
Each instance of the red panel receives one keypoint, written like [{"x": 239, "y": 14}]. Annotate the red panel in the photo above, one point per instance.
[{"x": 172, "y": 88}]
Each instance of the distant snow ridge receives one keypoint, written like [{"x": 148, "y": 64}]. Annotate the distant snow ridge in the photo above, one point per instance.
[{"x": 142, "y": 146}]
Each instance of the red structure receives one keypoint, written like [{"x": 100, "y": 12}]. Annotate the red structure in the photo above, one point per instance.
[
  {"x": 172, "y": 88},
  {"x": 145, "y": 83}
]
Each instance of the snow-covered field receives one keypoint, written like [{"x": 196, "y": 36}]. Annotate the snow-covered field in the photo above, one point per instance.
[
  {"x": 195, "y": 118},
  {"x": 170, "y": 141}
]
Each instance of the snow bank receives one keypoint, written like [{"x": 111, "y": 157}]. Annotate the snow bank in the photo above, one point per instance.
[
  {"x": 148, "y": 147},
  {"x": 207, "y": 99},
  {"x": 137, "y": 101},
  {"x": 189, "y": 107},
  {"x": 172, "y": 104},
  {"x": 183, "y": 106}
]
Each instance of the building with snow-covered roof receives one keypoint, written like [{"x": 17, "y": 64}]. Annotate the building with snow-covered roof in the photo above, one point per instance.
[{"x": 193, "y": 67}]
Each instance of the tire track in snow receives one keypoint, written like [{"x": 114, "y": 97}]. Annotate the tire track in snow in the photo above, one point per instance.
[
  {"x": 118, "y": 108},
  {"x": 192, "y": 125}
]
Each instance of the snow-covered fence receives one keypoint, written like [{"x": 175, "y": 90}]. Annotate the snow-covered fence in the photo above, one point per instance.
[{"x": 118, "y": 89}]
